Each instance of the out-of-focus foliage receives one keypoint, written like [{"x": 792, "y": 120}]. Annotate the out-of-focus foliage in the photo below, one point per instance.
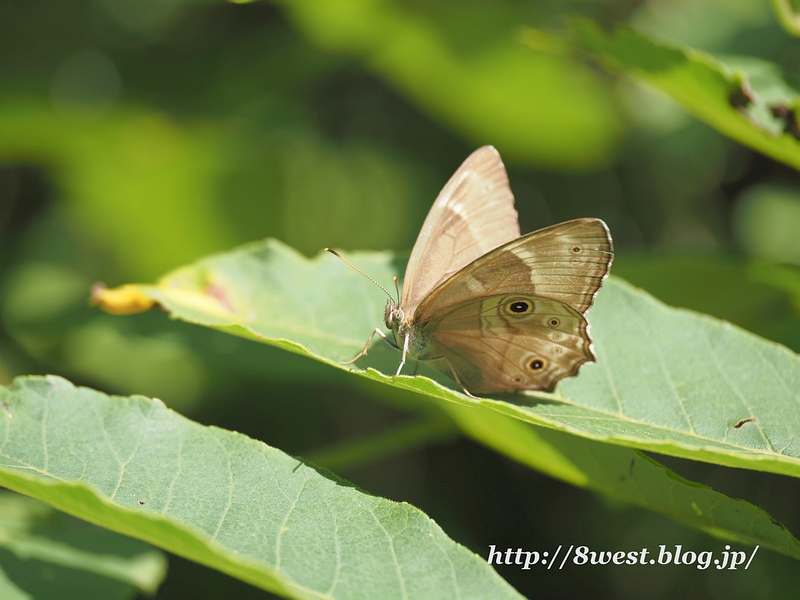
[
  {"x": 137, "y": 137},
  {"x": 715, "y": 93},
  {"x": 462, "y": 63},
  {"x": 47, "y": 554},
  {"x": 767, "y": 222},
  {"x": 787, "y": 16}
]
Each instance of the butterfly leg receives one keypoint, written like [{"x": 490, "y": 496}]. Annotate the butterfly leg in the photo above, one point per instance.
[
  {"x": 369, "y": 341},
  {"x": 458, "y": 381},
  {"x": 403, "y": 359}
]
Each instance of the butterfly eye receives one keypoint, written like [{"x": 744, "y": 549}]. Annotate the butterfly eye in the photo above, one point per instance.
[
  {"x": 576, "y": 249},
  {"x": 536, "y": 364},
  {"x": 519, "y": 307},
  {"x": 554, "y": 322},
  {"x": 516, "y": 379}
]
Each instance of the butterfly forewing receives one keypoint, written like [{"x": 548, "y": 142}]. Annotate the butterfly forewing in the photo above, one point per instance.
[
  {"x": 510, "y": 342},
  {"x": 473, "y": 214},
  {"x": 565, "y": 262}
]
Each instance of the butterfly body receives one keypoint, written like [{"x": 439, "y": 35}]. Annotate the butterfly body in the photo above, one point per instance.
[{"x": 496, "y": 311}]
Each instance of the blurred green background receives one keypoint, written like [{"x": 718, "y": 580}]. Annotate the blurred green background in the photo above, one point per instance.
[{"x": 138, "y": 136}]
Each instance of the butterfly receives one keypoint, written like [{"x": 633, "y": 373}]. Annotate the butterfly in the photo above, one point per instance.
[{"x": 493, "y": 310}]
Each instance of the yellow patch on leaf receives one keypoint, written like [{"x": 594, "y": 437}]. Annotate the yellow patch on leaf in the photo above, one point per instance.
[{"x": 123, "y": 300}]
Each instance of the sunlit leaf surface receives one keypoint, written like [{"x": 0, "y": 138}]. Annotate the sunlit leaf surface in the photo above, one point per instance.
[{"x": 224, "y": 500}]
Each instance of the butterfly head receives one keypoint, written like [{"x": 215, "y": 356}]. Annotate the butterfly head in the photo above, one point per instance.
[{"x": 393, "y": 315}]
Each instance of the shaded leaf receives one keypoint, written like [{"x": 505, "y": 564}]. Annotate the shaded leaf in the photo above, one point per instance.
[
  {"x": 46, "y": 554},
  {"x": 626, "y": 475}
]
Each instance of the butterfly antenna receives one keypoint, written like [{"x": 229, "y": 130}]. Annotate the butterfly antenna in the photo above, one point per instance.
[{"x": 347, "y": 262}]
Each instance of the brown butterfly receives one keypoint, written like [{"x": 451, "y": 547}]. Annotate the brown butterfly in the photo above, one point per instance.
[{"x": 496, "y": 311}]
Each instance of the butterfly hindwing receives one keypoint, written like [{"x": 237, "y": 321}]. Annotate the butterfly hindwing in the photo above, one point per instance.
[{"x": 509, "y": 342}]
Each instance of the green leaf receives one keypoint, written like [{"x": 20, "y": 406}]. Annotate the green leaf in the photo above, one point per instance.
[
  {"x": 720, "y": 285},
  {"x": 666, "y": 380},
  {"x": 716, "y": 94},
  {"x": 221, "y": 499},
  {"x": 35, "y": 539}
]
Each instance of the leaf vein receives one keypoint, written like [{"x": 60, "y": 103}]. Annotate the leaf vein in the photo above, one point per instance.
[{"x": 654, "y": 344}]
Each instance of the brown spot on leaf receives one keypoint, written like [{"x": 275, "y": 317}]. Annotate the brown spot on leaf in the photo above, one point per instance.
[
  {"x": 789, "y": 118},
  {"x": 743, "y": 421},
  {"x": 740, "y": 98}
]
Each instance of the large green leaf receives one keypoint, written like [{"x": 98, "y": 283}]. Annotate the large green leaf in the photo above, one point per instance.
[
  {"x": 224, "y": 500},
  {"x": 712, "y": 91},
  {"x": 47, "y": 554},
  {"x": 667, "y": 380}
]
